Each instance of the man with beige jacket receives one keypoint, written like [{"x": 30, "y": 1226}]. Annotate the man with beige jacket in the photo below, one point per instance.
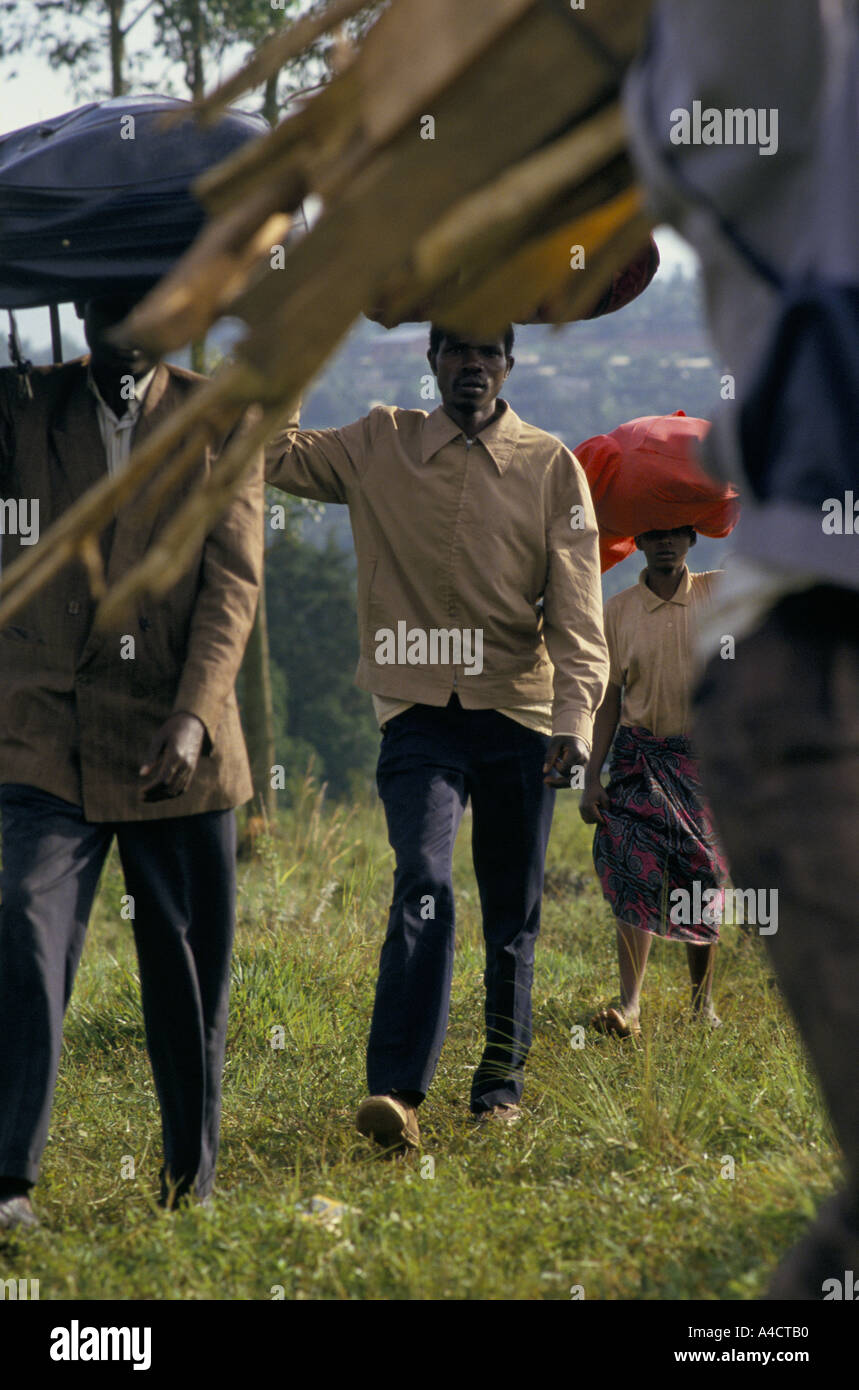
[
  {"x": 480, "y": 620},
  {"x": 134, "y": 735}
]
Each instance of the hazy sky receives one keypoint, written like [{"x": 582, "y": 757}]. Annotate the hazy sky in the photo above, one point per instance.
[{"x": 37, "y": 92}]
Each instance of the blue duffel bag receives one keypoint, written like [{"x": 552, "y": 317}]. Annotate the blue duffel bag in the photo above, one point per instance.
[{"x": 98, "y": 201}]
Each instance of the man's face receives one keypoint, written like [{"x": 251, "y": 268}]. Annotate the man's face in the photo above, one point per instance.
[
  {"x": 470, "y": 371},
  {"x": 665, "y": 550},
  {"x": 99, "y": 316}
]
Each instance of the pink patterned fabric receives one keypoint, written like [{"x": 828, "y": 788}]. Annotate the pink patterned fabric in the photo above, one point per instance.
[{"x": 658, "y": 837}]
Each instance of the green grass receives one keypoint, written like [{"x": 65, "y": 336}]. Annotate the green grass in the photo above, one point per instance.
[{"x": 611, "y": 1182}]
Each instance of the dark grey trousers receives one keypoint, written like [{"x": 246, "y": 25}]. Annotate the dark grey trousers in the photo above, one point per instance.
[
  {"x": 432, "y": 760},
  {"x": 180, "y": 873}
]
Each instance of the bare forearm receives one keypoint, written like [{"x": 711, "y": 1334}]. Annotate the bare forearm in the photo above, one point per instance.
[{"x": 605, "y": 724}]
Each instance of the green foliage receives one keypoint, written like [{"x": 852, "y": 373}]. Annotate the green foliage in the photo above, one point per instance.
[
  {"x": 146, "y": 40},
  {"x": 611, "y": 1181},
  {"x": 313, "y": 641}
]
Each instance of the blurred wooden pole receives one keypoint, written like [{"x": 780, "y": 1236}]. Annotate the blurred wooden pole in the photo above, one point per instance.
[{"x": 56, "y": 334}]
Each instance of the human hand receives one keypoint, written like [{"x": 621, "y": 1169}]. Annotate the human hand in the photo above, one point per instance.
[
  {"x": 172, "y": 757},
  {"x": 563, "y": 754},
  {"x": 594, "y": 801}
]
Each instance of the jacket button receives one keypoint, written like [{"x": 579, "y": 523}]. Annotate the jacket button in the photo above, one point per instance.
[{"x": 73, "y": 607}]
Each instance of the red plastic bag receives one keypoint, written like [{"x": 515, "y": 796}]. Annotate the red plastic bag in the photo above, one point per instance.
[{"x": 645, "y": 476}]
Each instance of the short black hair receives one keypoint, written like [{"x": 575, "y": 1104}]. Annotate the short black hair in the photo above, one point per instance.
[{"x": 438, "y": 332}]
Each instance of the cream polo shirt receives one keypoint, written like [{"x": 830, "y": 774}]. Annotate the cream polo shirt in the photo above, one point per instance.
[{"x": 651, "y": 643}]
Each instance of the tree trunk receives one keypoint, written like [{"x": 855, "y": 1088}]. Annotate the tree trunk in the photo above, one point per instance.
[
  {"x": 196, "y": 37},
  {"x": 117, "y": 47}
]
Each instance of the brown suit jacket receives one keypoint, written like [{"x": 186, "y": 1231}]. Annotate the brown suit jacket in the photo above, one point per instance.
[{"x": 76, "y": 715}]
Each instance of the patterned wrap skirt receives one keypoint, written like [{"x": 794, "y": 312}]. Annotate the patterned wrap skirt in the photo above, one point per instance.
[{"x": 657, "y": 839}]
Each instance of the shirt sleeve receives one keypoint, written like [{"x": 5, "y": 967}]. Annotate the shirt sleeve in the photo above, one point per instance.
[
  {"x": 572, "y": 601},
  {"x": 617, "y": 672},
  {"x": 323, "y": 464}
]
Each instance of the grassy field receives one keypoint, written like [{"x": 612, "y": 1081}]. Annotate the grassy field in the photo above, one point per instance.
[{"x": 612, "y": 1185}]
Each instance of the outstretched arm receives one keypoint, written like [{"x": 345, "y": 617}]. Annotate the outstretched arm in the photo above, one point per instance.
[{"x": 322, "y": 464}]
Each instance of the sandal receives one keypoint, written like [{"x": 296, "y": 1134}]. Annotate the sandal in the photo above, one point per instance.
[{"x": 614, "y": 1022}]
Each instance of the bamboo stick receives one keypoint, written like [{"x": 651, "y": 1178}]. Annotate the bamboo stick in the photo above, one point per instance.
[
  {"x": 470, "y": 238},
  {"x": 357, "y": 144},
  {"x": 540, "y": 271},
  {"x": 216, "y": 269},
  {"x": 411, "y": 55},
  {"x": 276, "y": 52},
  {"x": 219, "y": 400},
  {"x": 519, "y": 196},
  {"x": 166, "y": 561}
]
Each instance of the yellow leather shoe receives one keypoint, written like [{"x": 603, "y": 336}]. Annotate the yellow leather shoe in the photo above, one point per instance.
[{"x": 391, "y": 1122}]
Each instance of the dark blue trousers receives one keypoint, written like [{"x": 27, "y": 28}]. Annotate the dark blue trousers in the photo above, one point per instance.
[
  {"x": 180, "y": 873},
  {"x": 431, "y": 761}
]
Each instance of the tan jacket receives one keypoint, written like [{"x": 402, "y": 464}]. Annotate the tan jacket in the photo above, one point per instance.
[
  {"x": 75, "y": 716},
  {"x": 449, "y": 537}
]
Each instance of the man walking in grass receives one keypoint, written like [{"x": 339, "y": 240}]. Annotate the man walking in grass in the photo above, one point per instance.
[
  {"x": 653, "y": 833},
  {"x": 134, "y": 736},
  {"x": 480, "y": 619}
]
